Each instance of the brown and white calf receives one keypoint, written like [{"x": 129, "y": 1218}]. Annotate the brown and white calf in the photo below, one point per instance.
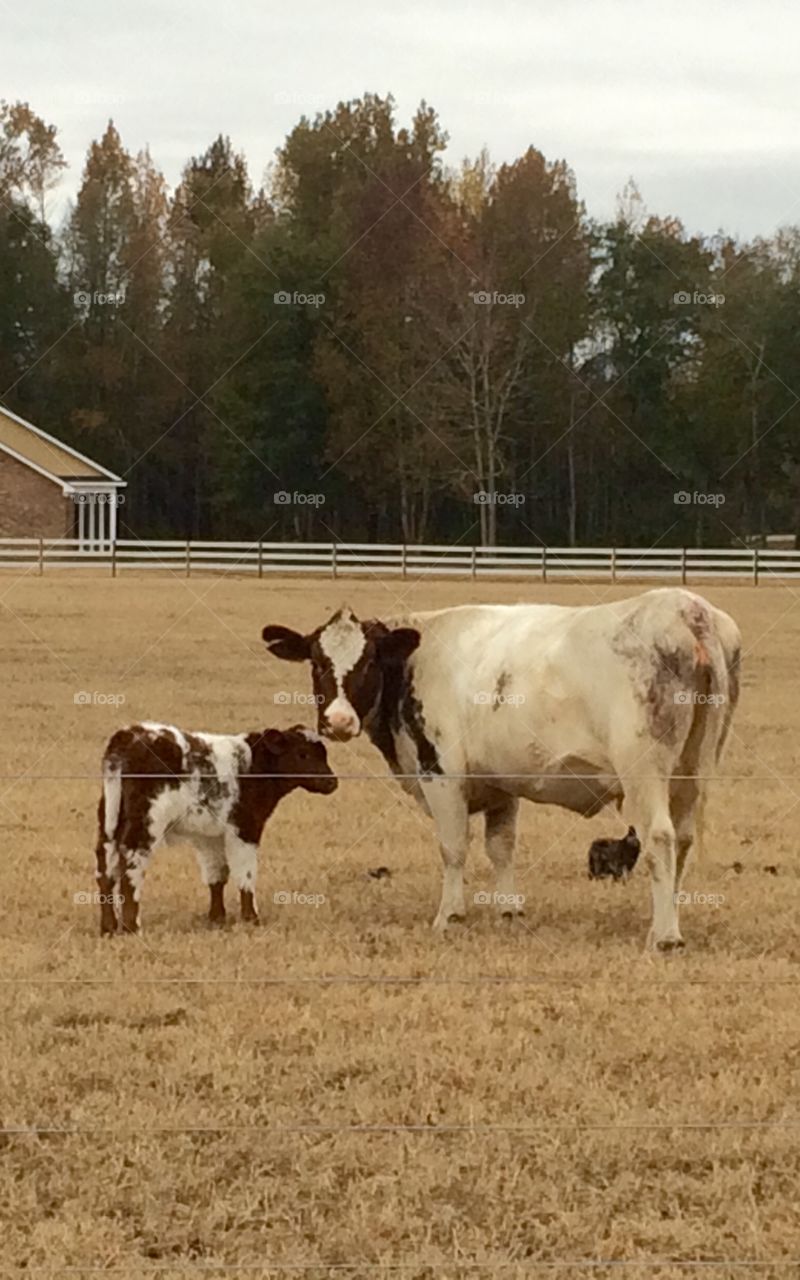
[
  {"x": 162, "y": 785},
  {"x": 477, "y": 706}
]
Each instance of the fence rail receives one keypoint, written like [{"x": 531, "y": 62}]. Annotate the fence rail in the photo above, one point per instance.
[{"x": 340, "y": 559}]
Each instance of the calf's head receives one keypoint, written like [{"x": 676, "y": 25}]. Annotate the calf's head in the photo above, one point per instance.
[
  {"x": 296, "y": 755},
  {"x": 350, "y": 661}
]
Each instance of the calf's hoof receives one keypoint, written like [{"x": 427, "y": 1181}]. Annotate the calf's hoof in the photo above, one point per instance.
[
  {"x": 216, "y": 922},
  {"x": 251, "y": 920},
  {"x": 670, "y": 944}
]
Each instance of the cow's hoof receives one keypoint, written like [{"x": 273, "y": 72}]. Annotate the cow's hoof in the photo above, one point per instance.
[
  {"x": 442, "y": 923},
  {"x": 670, "y": 944},
  {"x": 251, "y": 920},
  {"x": 512, "y": 915},
  {"x": 216, "y": 922}
]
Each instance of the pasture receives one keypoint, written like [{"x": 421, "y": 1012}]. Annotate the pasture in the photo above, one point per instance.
[{"x": 339, "y": 1092}]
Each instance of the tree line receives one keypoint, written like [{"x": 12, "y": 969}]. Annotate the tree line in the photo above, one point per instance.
[{"x": 374, "y": 345}]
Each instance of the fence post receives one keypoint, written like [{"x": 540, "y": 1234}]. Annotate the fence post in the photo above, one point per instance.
[
  {"x": 41, "y": 556},
  {"x": 188, "y": 558},
  {"x": 333, "y": 559},
  {"x": 404, "y": 559},
  {"x": 683, "y": 567},
  {"x": 544, "y": 564},
  {"x": 613, "y": 564},
  {"x": 260, "y": 559},
  {"x": 114, "y": 558},
  {"x": 474, "y": 563},
  {"x": 755, "y": 566}
]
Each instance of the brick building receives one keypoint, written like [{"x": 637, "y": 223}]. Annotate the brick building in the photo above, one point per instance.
[{"x": 49, "y": 490}]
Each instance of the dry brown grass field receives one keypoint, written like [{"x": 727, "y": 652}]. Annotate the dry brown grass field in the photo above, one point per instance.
[{"x": 339, "y": 1092}]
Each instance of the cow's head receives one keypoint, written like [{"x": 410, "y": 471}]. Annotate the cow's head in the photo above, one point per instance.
[{"x": 350, "y": 660}]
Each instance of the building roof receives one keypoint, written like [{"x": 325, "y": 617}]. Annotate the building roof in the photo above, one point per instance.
[{"x": 51, "y": 457}]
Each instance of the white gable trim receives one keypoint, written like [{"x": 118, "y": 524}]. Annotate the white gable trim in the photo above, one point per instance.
[{"x": 23, "y": 422}]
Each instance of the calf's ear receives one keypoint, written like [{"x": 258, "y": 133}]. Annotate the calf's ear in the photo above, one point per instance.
[
  {"x": 287, "y": 644},
  {"x": 398, "y": 645},
  {"x": 272, "y": 740}
]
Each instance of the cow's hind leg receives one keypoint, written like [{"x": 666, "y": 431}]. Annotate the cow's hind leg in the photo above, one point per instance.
[
  {"x": 685, "y": 803},
  {"x": 648, "y": 804},
  {"x": 501, "y": 836},
  {"x": 448, "y": 807}
]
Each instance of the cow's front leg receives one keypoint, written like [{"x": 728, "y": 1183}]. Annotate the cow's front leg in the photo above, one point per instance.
[
  {"x": 242, "y": 859},
  {"x": 501, "y": 836},
  {"x": 448, "y": 806}
]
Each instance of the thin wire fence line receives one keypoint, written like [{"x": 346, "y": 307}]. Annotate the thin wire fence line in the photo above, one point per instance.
[
  {"x": 370, "y": 1266},
  {"x": 402, "y": 981},
  {"x": 412, "y": 777},
  {"x": 368, "y": 1130}
]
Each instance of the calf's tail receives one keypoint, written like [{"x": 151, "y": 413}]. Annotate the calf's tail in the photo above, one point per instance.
[{"x": 112, "y": 796}]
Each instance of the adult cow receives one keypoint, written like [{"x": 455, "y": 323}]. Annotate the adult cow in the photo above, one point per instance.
[{"x": 476, "y": 706}]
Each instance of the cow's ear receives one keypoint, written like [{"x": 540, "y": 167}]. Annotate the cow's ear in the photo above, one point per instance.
[
  {"x": 287, "y": 644},
  {"x": 398, "y": 645},
  {"x": 375, "y": 630}
]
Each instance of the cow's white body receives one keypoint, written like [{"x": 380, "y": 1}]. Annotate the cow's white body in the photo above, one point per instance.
[
  {"x": 576, "y": 707},
  {"x": 629, "y": 700}
]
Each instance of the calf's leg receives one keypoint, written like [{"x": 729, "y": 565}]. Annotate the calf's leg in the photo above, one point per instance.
[
  {"x": 133, "y": 865},
  {"x": 242, "y": 859},
  {"x": 214, "y": 872},
  {"x": 136, "y": 844},
  {"x": 107, "y": 872}
]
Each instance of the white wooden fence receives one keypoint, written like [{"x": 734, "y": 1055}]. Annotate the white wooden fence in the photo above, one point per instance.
[{"x": 611, "y": 564}]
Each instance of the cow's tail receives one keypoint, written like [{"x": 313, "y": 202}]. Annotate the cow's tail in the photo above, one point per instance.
[{"x": 714, "y": 691}]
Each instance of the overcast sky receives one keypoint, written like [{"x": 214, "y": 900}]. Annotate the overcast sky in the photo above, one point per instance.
[{"x": 697, "y": 101}]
